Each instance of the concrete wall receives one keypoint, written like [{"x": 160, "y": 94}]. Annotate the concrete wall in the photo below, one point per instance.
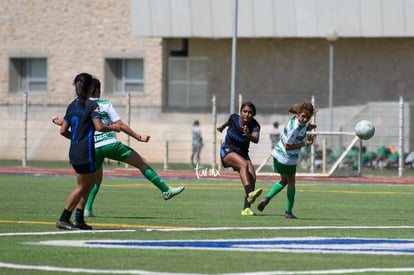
[{"x": 275, "y": 73}]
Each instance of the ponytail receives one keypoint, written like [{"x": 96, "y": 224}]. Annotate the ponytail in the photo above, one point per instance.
[{"x": 82, "y": 83}]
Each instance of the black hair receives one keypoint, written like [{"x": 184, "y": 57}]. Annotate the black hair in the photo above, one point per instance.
[
  {"x": 249, "y": 104},
  {"x": 96, "y": 86},
  {"x": 82, "y": 83}
]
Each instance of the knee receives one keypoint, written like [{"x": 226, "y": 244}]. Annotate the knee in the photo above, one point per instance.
[
  {"x": 244, "y": 166},
  {"x": 291, "y": 183}
]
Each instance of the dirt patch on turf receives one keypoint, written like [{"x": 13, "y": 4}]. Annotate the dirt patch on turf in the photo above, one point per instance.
[{"x": 192, "y": 174}]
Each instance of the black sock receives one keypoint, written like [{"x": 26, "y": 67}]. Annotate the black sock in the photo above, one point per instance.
[
  {"x": 79, "y": 216},
  {"x": 248, "y": 188},
  {"x": 65, "y": 217},
  {"x": 246, "y": 204}
]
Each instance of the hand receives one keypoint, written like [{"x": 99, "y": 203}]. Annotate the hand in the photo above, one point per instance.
[
  {"x": 246, "y": 131},
  {"x": 222, "y": 127},
  {"x": 55, "y": 117},
  {"x": 311, "y": 127},
  {"x": 57, "y": 120},
  {"x": 143, "y": 138},
  {"x": 310, "y": 140}
]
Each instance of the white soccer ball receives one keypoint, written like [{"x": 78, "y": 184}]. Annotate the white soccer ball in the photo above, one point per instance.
[{"x": 365, "y": 129}]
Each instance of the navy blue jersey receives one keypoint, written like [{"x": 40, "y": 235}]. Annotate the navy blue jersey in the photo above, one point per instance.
[
  {"x": 80, "y": 119},
  {"x": 236, "y": 140}
]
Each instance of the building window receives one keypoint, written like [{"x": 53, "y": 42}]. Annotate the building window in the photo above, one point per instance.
[
  {"x": 178, "y": 47},
  {"x": 124, "y": 76},
  {"x": 188, "y": 83},
  {"x": 28, "y": 75}
]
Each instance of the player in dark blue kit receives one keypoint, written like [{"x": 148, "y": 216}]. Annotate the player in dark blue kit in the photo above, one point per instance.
[
  {"x": 81, "y": 119},
  {"x": 234, "y": 153}
]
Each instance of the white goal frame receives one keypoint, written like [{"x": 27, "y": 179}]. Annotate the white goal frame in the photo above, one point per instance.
[{"x": 334, "y": 165}]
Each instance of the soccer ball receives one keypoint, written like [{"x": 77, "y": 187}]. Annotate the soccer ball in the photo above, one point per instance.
[{"x": 365, "y": 129}]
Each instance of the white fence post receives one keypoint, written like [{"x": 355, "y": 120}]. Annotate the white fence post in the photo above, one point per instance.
[
  {"x": 312, "y": 154},
  {"x": 214, "y": 116},
  {"x": 128, "y": 115},
  {"x": 166, "y": 156},
  {"x": 401, "y": 161},
  {"x": 25, "y": 111}
]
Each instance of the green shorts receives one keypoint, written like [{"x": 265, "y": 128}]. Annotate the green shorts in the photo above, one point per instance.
[
  {"x": 116, "y": 151},
  {"x": 288, "y": 170}
]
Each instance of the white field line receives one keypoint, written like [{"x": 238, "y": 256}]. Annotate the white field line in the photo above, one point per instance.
[
  {"x": 144, "y": 272},
  {"x": 201, "y": 229}
]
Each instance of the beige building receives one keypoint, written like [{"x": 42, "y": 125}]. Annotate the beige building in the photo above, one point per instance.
[
  {"x": 170, "y": 66},
  {"x": 46, "y": 43}
]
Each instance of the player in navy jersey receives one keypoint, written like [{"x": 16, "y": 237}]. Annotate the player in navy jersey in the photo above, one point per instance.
[
  {"x": 107, "y": 145},
  {"x": 80, "y": 121},
  {"x": 234, "y": 153}
]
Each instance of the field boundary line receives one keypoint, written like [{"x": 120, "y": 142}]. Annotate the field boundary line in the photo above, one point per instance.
[
  {"x": 192, "y": 175},
  {"x": 129, "y": 271},
  {"x": 183, "y": 229}
]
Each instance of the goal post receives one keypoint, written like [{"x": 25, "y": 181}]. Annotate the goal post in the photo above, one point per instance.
[{"x": 319, "y": 164}]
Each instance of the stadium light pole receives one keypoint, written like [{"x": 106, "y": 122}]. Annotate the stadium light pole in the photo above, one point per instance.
[
  {"x": 234, "y": 60},
  {"x": 331, "y": 36}
]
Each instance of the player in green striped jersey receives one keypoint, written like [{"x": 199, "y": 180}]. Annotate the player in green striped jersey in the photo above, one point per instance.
[
  {"x": 107, "y": 145},
  {"x": 286, "y": 153}
]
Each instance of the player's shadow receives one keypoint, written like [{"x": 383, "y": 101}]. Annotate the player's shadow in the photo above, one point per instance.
[
  {"x": 302, "y": 218},
  {"x": 130, "y": 218},
  {"x": 146, "y": 218}
]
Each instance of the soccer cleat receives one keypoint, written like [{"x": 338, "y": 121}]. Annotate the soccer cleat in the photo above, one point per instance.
[
  {"x": 251, "y": 198},
  {"x": 261, "y": 206},
  {"x": 81, "y": 226},
  {"x": 289, "y": 215},
  {"x": 173, "y": 191},
  {"x": 65, "y": 225},
  {"x": 88, "y": 213},
  {"x": 247, "y": 212}
]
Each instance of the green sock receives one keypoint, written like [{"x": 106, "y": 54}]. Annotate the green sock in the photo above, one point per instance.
[
  {"x": 91, "y": 197},
  {"x": 290, "y": 199},
  {"x": 153, "y": 177},
  {"x": 276, "y": 188}
]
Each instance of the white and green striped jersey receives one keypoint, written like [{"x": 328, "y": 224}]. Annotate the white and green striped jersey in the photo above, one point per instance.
[
  {"x": 109, "y": 116},
  {"x": 293, "y": 133}
]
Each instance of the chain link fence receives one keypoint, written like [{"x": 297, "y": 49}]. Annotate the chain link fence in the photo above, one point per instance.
[{"x": 27, "y": 132}]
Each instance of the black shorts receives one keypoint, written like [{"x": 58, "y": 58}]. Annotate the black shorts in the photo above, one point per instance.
[
  {"x": 84, "y": 168},
  {"x": 226, "y": 149}
]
